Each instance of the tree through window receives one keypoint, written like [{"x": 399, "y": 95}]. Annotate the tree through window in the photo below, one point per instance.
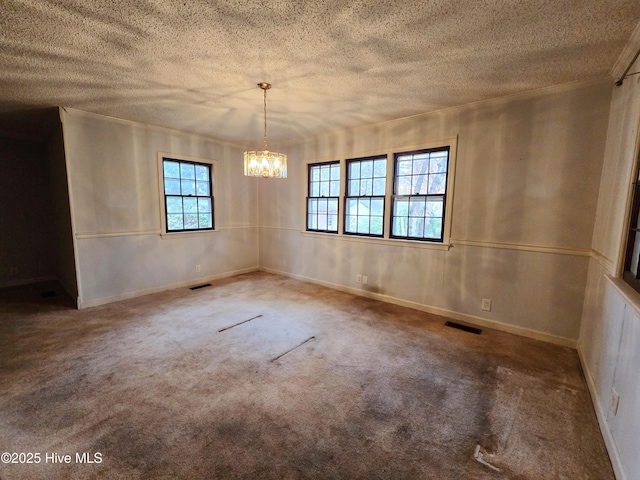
[{"x": 419, "y": 194}]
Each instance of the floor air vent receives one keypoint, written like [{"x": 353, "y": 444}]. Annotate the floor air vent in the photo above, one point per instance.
[
  {"x": 466, "y": 328},
  {"x": 200, "y": 286}
]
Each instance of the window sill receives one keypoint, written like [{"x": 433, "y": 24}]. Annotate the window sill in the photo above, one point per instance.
[
  {"x": 198, "y": 233},
  {"x": 393, "y": 242},
  {"x": 629, "y": 295}
]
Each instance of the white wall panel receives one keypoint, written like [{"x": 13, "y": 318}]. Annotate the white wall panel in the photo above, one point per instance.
[
  {"x": 115, "y": 198},
  {"x": 524, "y": 203}
]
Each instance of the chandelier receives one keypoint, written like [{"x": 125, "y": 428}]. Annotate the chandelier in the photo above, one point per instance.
[{"x": 265, "y": 163}]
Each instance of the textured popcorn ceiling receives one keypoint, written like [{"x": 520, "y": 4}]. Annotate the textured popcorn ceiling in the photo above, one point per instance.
[{"x": 194, "y": 64}]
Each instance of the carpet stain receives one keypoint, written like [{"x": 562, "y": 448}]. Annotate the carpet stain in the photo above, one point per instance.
[{"x": 387, "y": 393}]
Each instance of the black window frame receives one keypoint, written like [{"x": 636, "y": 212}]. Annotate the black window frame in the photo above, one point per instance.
[
  {"x": 349, "y": 196},
  {"x": 395, "y": 196},
  {"x": 633, "y": 241},
  {"x": 167, "y": 196},
  {"x": 310, "y": 197}
]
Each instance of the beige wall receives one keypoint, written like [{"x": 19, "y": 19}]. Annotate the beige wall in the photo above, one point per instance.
[
  {"x": 526, "y": 190},
  {"x": 610, "y": 332},
  {"x": 115, "y": 204}
]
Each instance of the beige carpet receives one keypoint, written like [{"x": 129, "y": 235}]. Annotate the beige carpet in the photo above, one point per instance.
[{"x": 318, "y": 384}]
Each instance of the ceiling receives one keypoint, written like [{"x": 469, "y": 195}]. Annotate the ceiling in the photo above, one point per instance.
[{"x": 193, "y": 65}]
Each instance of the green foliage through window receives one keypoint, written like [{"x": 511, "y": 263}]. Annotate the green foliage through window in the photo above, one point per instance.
[{"x": 188, "y": 190}]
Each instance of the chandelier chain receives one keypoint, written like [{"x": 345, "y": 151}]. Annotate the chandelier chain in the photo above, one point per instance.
[{"x": 265, "y": 119}]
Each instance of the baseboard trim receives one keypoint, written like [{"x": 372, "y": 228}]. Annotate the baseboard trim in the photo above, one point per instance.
[
  {"x": 612, "y": 449},
  {"x": 478, "y": 321},
  {"x": 172, "y": 286}
]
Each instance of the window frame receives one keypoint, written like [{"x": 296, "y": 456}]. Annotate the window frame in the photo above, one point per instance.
[
  {"x": 394, "y": 195},
  {"x": 309, "y": 197},
  {"x": 632, "y": 242},
  {"x": 447, "y": 142},
  {"x": 211, "y": 164},
  {"x": 348, "y": 197}
]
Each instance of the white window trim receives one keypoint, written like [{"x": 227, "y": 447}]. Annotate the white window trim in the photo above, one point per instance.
[
  {"x": 163, "y": 221},
  {"x": 452, "y": 143}
]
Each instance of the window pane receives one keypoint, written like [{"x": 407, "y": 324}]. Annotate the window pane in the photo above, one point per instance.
[
  {"x": 366, "y": 169},
  {"x": 190, "y": 221},
  {"x": 188, "y": 187},
  {"x": 332, "y": 206},
  {"x": 433, "y": 228},
  {"x": 377, "y": 206},
  {"x": 324, "y": 172},
  {"x": 419, "y": 184},
  {"x": 376, "y": 226},
  {"x": 354, "y": 188},
  {"x": 187, "y": 171},
  {"x": 380, "y": 168},
  {"x": 438, "y": 163},
  {"x": 190, "y": 205},
  {"x": 335, "y": 172},
  {"x": 434, "y": 207},
  {"x": 399, "y": 227},
  {"x": 352, "y": 206},
  {"x": 171, "y": 169},
  {"x": 324, "y": 189},
  {"x": 416, "y": 227},
  {"x": 363, "y": 224},
  {"x": 354, "y": 169},
  {"x": 437, "y": 183},
  {"x": 202, "y": 173},
  {"x": 174, "y": 222},
  {"x": 404, "y": 167},
  {"x": 403, "y": 186},
  {"x": 202, "y": 188},
  {"x": 401, "y": 207},
  {"x": 332, "y": 223},
  {"x": 172, "y": 187},
  {"x": 315, "y": 174},
  {"x": 379, "y": 186},
  {"x": 420, "y": 166},
  {"x": 315, "y": 190},
  {"x": 366, "y": 186},
  {"x": 313, "y": 205},
  {"x": 204, "y": 205},
  {"x": 312, "y": 224},
  {"x": 364, "y": 206},
  {"x": 351, "y": 223},
  {"x": 174, "y": 204},
  {"x": 416, "y": 207},
  {"x": 322, "y": 222},
  {"x": 205, "y": 220},
  {"x": 334, "y": 190}
]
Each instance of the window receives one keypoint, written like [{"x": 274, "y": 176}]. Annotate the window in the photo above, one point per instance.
[
  {"x": 322, "y": 202},
  {"x": 631, "y": 273},
  {"x": 366, "y": 190},
  {"x": 188, "y": 195},
  {"x": 419, "y": 194}
]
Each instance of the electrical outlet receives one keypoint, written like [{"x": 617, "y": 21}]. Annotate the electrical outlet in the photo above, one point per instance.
[
  {"x": 359, "y": 278},
  {"x": 197, "y": 268},
  {"x": 365, "y": 279},
  {"x": 486, "y": 304},
  {"x": 615, "y": 401}
]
